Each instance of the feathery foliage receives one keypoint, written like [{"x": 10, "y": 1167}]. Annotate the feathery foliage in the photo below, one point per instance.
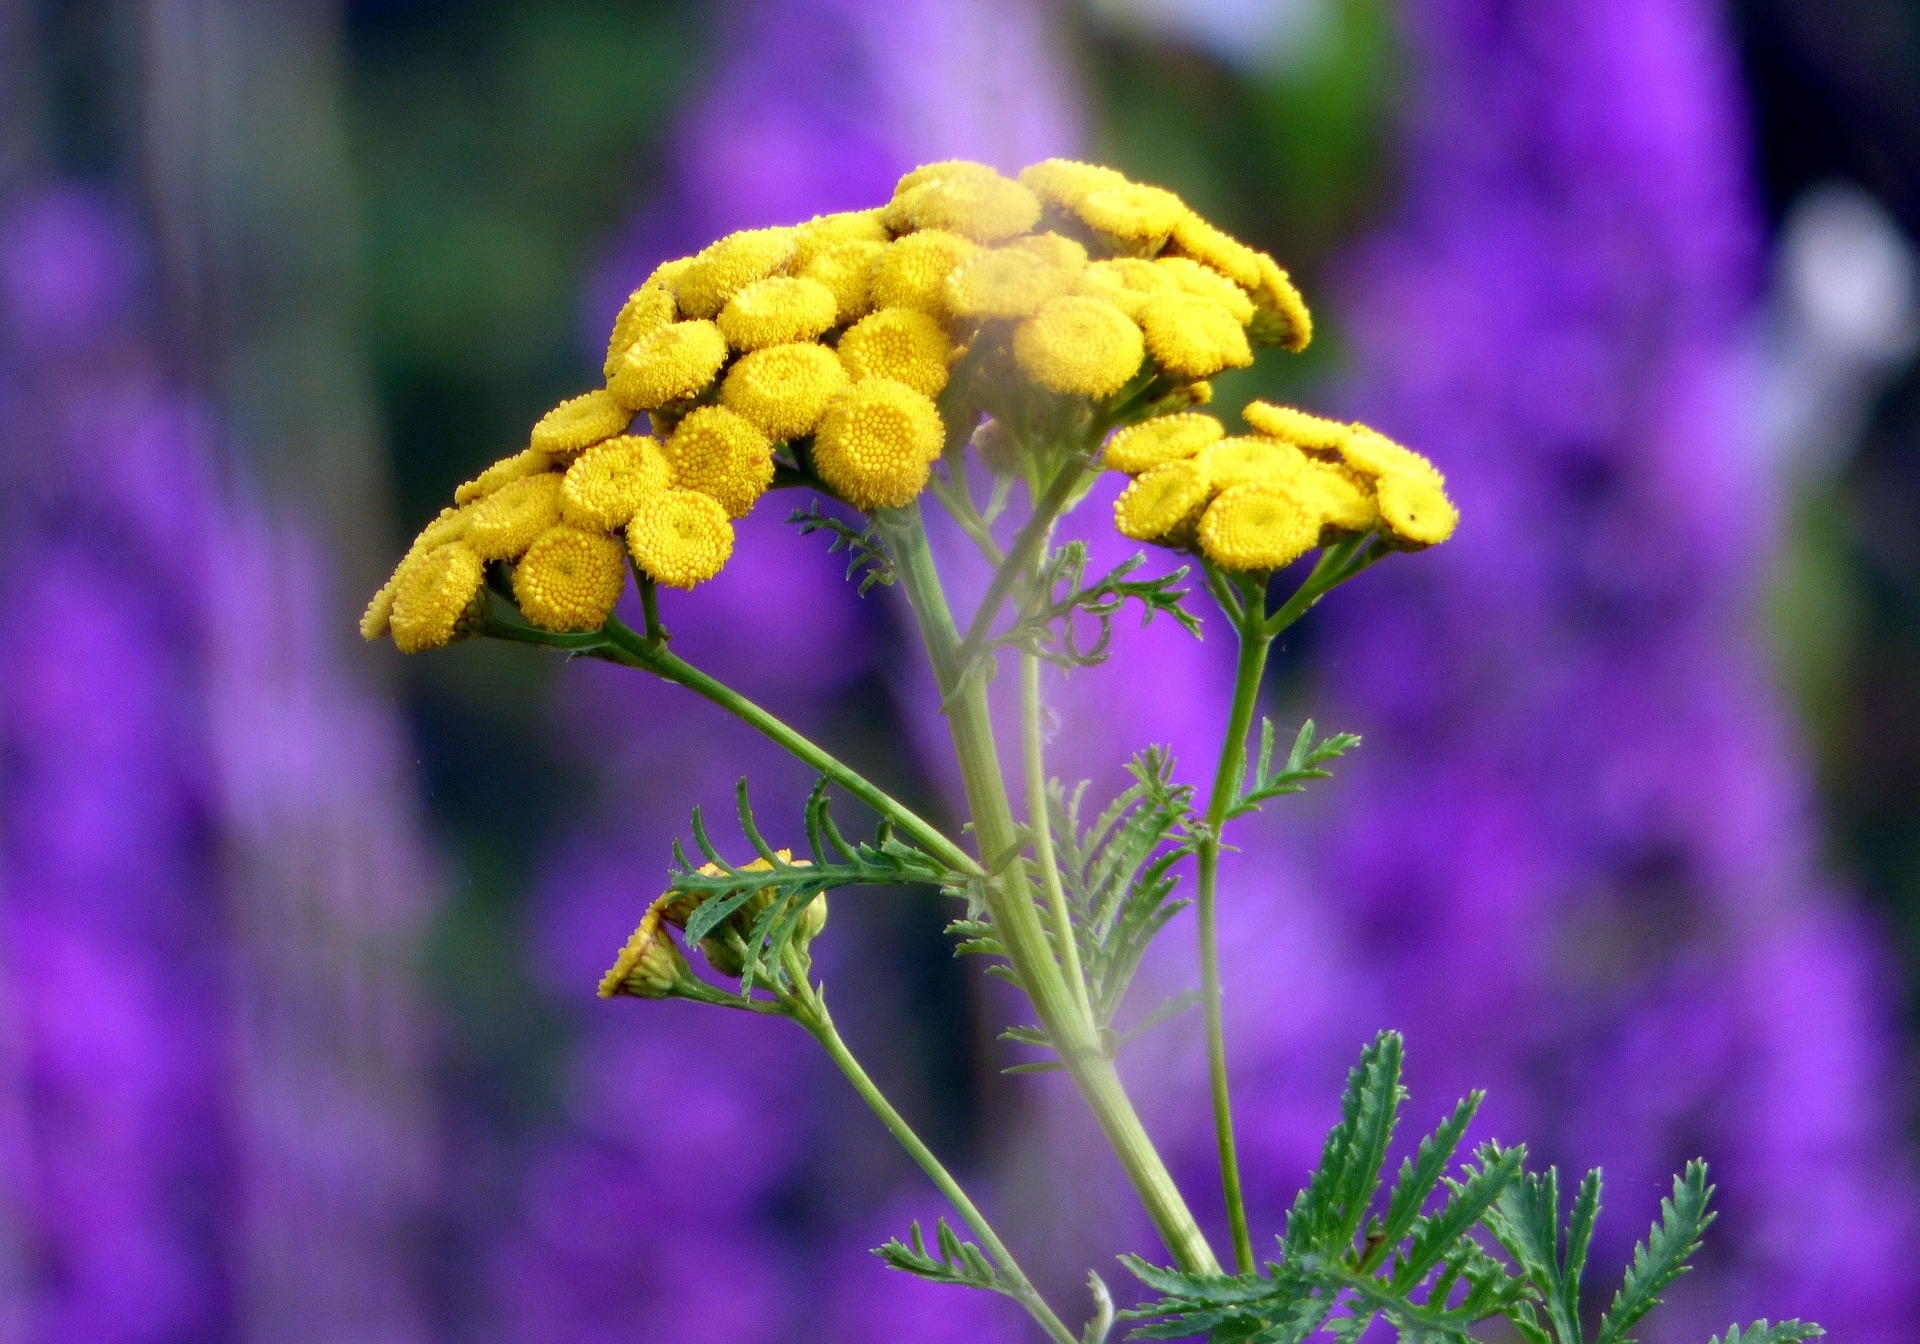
[
  {"x": 1302, "y": 764},
  {"x": 958, "y": 1262},
  {"x": 866, "y": 556},
  {"x": 1045, "y": 626}
]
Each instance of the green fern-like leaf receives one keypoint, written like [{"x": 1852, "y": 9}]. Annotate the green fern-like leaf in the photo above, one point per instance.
[
  {"x": 957, "y": 1262},
  {"x": 1303, "y": 764},
  {"x": 1786, "y": 1332},
  {"x": 1663, "y": 1256}
]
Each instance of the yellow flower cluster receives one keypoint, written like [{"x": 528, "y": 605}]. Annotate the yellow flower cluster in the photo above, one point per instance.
[
  {"x": 828, "y": 342},
  {"x": 1255, "y": 502}
]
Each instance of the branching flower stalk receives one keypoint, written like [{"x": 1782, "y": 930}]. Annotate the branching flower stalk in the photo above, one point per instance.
[{"x": 1030, "y": 334}]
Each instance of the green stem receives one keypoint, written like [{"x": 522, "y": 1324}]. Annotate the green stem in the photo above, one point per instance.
[
  {"x": 1026, "y": 545},
  {"x": 811, "y": 1013},
  {"x": 1034, "y": 752},
  {"x": 1227, "y": 778},
  {"x": 1010, "y": 901}
]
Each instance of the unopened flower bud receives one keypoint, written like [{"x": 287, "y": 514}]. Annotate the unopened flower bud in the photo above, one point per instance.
[{"x": 650, "y": 966}]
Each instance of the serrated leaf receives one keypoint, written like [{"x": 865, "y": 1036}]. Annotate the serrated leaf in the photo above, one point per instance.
[
  {"x": 1663, "y": 1256},
  {"x": 1420, "y": 1177},
  {"x": 1786, "y": 1332}
]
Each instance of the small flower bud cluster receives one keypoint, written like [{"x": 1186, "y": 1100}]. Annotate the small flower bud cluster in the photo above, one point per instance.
[{"x": 1255, "y": 502}]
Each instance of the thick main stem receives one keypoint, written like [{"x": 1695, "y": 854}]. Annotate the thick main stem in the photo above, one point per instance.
[
  {"x": 1010, "y": 902},
  {"x": 1227, "y": 778}
]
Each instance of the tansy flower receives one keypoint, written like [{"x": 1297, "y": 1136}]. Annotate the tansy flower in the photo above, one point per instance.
[
  {"x": 1410, "y": 491},
  {"x": 680, "y": 538},
  {"x": 723, "y": 269},
  {"x": 432, "y": 594},
  {"x": 903, "y": 344},
  {"x": 913, "y": 271},
  {"x": 672, "y": 364},
  {"x": 846, "y": 269},
  {"x": 650, "y": 965},
  {"x": 823, "y": 233},
  {"x": 1192, "y": 337},
  {"x": 579, "y": 421},
  {"x": 1080, "y": 346},
  {"x": 504, "y": 524},
  {"x": 1246, "y": 459},
  {"x": 784, "y": 389},
  {"x": 1125, "y": 282},
  {"x": 569, "y": 579},
  {"x": 608, "y": 481},
  {"x": 1056, "y": 249},
  {"x": 1256, "y": 528},
  {"x": 777, "y": 310},
  {"x": 1134, "y": 213},
  {"x": 723, "y": 454},
  {"x": 1008, "y": 282},
  {"x": 1163, "y": 439},
  {"x": 1064, "y": 183},
  {"x": 1313, "y": 432},
  {"x": 985, "y": 209},
  {"x": 526, "y": 462},
  {"x": 1208, "y": 283},
  {"x": 1195, "y": 237},
  {"x": 877, "y": 443},
  {"x": 451, "y": 525},
  {"x": 1336, "y": 493},
  {"x": 1281, "y": 318},
  {"x": 1162, "y": 504},
  {"x": 947, "y": 170},
  {"x": 646, "y": 310}
]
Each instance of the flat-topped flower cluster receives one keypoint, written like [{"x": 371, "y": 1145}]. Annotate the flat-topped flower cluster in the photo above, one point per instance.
[{"x": 849, "y": 353}]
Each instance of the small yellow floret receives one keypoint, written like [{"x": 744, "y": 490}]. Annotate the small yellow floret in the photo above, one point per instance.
[
  {"x": 569, "y": 579},
  {"x": 451, "y": 525},
  {"x": 823, "y": 233},
  {"x": 1208, "y": 283},
  {"x": 646, "y": 310},
  {"x": 1282, "y": 318},
  {"x": 1163, "y": 439},
  {"x": 504, "y": 524},
  {"x": 433, "y": 593},
  {"x": 1064, "y": 182},
  {"x": 1009, "y": 282},
  {"x": 1246, "y": 459},
  {"x": 1409, "y": 489},
  {"x": 913, "y": 271},
  {"x": 877, "y": 443},
  {"x": 947, "y": 170},
  {"x": 903, "y": 344},
  {"x": 1375, "y": 456},
  {"x": 1162, "y": 504},
  {"x": 1135, "y": 214},
  {"x": 1255, "y": 528},
  {"x": 1126, "y": 283},
  {"x": 1080, "y": 346},
  {"x": 1339, "y": 495},
  {"x": 985, "y": 209},
  {"x": 672, "y": 364},
  {"x": 1313, "y": 432},
  {"x": 649, "y": 966},
  {"x": 1195, "y": 237},
  {"x": 526, "y": 462},
  {"x": 723, "y": 454},
  {"x": 1055, "y": 249},
  {"x": 579, "y": 422},
  {"x": 608, "y": 482},
  {"x": 680, "y": 538},
  {"x": 784, "y": 389},
  {"x": 777, "y": 310},
  {"x": 1192, "y": 337},
  {"x": 846, "y": 269},
  {"x": 723, "y": 269}
]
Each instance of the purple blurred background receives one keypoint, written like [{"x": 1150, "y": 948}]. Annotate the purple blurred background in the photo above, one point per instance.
[{"x": 298, "y": 938}]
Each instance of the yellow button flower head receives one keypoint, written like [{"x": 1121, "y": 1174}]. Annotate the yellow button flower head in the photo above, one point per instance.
[
  {"x": 1341, "y": 498},
  {"x": 433, "y": 593},
  {"x": 784, "y": 389},
  {"x": 878, "y": 442},
  {"x": 1208, "y": 283},
  {"x": 579, "y": 422},
  {"x": 1080, "y": 346},
  {"x": 1008, "y": 282},
  {"x": 1313, "y": 432},
  {"x": 1254, "y": 528},
  {"x": 1163, "y": 504},
  {"x": 672, "y": 364},
  {"x": 504, "y": 524},
  {"x": 451, "y": 525},
  {"x": 1055, "y": 249},
  {"x": 603, "y": 488},
  {"x": 1409, "y": 489},
  {"x": 846, "y": 269},
  {"x": 1163, "y": 439},
  {"x": 903, "y": 344},
  {"x": 1126, "y": 282},
  {"x": 1246, "y": 459},
  {"x": 723, "y": 269},
  {"x": 647, "y": 309},
  {"x": 985, "y": 209},
  {"x": 722, "y": 454},
  {"x": 947, "y": 170},
  {"x": 777, "y": 310},
  {"x": 1135, "y": 214},
  {"x": 913, "y": 271},
  {"x": 569, "y": 579},
  {"x": 1064, "y": 183},
  {"x": 823, "y": 233},
  {"x": 1281, "y": 318},
  {"x": 1195, "y": 237},
  {"x": 680, "y": 538},
  {"x": 1192, "y": 337},
  {"x": 526, "y": 462},
  {"x": 650, "y": 965}
]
